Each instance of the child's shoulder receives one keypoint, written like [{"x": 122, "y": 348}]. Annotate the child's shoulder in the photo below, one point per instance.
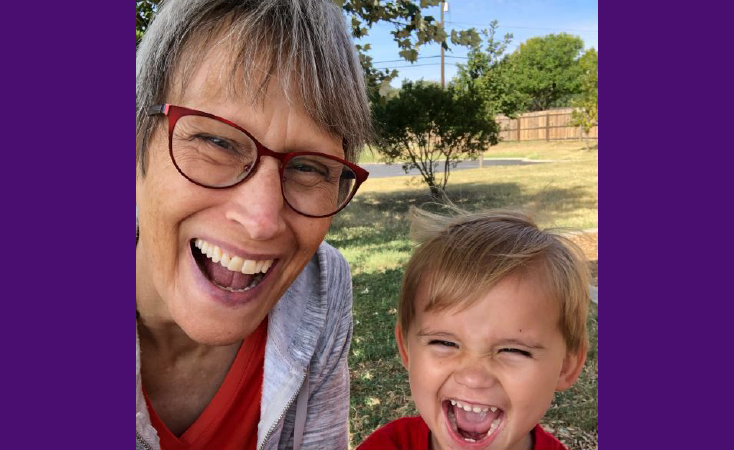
[
  {"x": 546, "y": 441},
  {"x": 401, "y": 434}
]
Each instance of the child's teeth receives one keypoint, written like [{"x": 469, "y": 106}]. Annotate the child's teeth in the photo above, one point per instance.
[
  {"x": 469, "y": 440},
  {"x": 495, "y": 424},
  {"x": 485, "y": 409},
  {"x": 467, "y": 408},
  {"x": 476, "y": 409},
  {"x": 493, "y": 408},
  {"x": 453, "y": 402}
]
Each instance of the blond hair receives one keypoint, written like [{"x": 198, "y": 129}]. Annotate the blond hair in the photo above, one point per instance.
[{"x": 461, "y": 256}]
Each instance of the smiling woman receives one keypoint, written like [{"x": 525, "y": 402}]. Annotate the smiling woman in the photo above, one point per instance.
[{"x": 249, "y": 116}]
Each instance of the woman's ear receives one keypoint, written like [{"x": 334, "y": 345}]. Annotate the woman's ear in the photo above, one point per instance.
[
  {"x": 402, "y": 348},
  {"x": 573, "y": 363}
]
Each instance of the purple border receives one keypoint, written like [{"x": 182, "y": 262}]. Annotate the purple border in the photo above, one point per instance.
[
  {"x": 666, "y": 188},
  {"x": 67, "y": 77},
  {"x": 67, "y": 146}
]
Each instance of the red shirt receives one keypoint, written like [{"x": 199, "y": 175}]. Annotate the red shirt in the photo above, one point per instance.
[
  {"x": 412, "y": 433},
  {"x": 230, "y": 420}
]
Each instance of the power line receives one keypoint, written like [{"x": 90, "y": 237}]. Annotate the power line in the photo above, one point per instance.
[
  {"x": 417, "y": 65},
  {"x": 420, "y": 57},
  {"x": 523, "y": 28}
]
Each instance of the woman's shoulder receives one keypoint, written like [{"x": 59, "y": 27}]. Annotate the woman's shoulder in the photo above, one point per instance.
[
  {"x": 331, "y": 258},
  {"x": 336, "y": 278}
]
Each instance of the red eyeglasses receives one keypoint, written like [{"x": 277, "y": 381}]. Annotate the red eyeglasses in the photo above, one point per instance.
[{"x": 215, "y": 153}]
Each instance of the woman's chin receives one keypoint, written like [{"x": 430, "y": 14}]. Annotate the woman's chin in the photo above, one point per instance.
[{"x": 212, "y": 328}]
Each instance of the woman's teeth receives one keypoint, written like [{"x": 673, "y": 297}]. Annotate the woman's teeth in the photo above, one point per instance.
[{"x": 232, "y": 263}]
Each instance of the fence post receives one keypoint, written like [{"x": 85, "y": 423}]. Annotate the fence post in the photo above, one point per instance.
[
  {"x": 547, "y": 126},
  {"x": 519, "y": 138}
]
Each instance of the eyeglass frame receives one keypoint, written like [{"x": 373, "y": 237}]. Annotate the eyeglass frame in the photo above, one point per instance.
[{"x": 174, "y": 113}]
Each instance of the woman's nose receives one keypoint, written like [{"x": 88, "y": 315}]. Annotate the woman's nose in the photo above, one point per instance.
[
  {"x": 257, "y": 204},
  {"x": 474, "y": 375}
]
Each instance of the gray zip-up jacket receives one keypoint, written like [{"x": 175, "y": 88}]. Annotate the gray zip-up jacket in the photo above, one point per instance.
[{"x": 309, "y": 328}]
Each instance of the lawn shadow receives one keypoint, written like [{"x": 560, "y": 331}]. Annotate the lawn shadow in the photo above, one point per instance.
[{"x": 380, "y": 391}]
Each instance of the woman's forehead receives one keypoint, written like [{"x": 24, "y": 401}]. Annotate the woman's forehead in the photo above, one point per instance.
[{"x": 217, "y": 75}]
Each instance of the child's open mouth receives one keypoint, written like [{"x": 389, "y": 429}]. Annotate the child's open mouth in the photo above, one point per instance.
[
  {"x": 472, "y": 424},
  {"x": 228, "y": 272}
]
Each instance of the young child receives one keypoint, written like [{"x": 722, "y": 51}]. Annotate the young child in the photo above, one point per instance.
[{"x": 491, "y": 322}]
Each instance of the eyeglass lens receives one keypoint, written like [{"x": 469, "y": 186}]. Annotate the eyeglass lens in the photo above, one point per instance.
[{"x": 215, "y": 154}]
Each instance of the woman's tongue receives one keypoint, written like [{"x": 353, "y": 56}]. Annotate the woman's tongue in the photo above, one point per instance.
[
  {"x": 224, "y": 277},
  {"x": 476, "y": 424}
]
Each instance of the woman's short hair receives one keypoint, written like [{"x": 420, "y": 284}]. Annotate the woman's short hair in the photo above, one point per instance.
[
  {"x": 461, "y": 256},
  {"x": 304, "y": 43}
]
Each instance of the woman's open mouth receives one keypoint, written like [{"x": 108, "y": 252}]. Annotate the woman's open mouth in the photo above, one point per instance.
[
  {"x": 472, "y": 424},
  {"x": 228, "y": 272}
]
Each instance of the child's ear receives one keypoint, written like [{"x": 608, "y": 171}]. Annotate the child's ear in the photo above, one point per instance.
[
  {"x": 573, "y": 363},
  {"x": 402, "y": 348}
]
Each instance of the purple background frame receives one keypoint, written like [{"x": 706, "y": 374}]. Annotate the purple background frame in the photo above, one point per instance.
[
  {"x": 67, "y": 121},
  {"x": 67, "y": 144}
]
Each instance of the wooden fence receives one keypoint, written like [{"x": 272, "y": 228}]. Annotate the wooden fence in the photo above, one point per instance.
[{"x": 551, "y": 125}]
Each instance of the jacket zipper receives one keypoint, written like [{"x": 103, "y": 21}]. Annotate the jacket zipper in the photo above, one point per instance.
[
  {"x": 142, "y": 441},
  {"x": 270, "y": 431}
]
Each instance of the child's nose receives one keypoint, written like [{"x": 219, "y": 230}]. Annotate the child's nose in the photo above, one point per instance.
[{"x": 474, "y": 375}]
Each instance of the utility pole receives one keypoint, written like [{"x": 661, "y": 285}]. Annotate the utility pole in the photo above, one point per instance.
[{"x": 444, "y": 7}]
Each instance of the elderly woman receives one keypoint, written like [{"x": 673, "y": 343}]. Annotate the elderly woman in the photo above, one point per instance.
[{"x": 250, "y": 115}]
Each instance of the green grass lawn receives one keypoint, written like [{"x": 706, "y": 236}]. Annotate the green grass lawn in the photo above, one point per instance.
[{"x": 372, "y": 233}]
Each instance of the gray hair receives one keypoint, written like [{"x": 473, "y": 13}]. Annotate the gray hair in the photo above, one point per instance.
[{"x": 304, "y": 43}]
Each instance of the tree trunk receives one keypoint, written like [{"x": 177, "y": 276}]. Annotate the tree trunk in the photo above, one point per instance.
[{"x": 437, "y": 193}]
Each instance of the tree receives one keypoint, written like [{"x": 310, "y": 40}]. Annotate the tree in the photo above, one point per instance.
[
  {"x": 545, "y": 71},
  {"x": 587, "y": 116},
  {"x": 429, "y": 128},
  {"x": 144, "y": 14},
  {"x": 411, "y": 30},
  {"x": 487, "y": 72}
]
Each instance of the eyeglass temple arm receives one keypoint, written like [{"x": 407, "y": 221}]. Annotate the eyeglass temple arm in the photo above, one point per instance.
[{"x": 157, "y": 110}]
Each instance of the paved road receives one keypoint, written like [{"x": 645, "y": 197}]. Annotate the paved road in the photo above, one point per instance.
[{"x": 396, "y": 170}]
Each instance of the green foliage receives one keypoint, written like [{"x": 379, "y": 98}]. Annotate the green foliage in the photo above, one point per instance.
[
  {"x": 487, "y": 73},
  {"x": 144, "y": 14},
  {"x": 411, "y": 30},
  {"x": 545, "y": 71},
  {"x": 587, "y": 116},
  {"x": 429, "y": 127}
]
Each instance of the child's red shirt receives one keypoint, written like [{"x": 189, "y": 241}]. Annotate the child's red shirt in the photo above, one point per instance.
[{"x": 412, "y": 433}]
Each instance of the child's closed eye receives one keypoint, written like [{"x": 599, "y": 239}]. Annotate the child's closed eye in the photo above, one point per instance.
[
  {"x": 443, "y": 343},
  {"x": 516, "y": 351}
]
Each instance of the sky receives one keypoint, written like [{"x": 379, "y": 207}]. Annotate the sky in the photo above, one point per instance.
[{"x": 523, "y": 18}]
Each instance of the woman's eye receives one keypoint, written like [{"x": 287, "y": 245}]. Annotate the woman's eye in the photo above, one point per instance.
[
  {"x": 516, "y": 351},
  {"x": 306, "y": 168},
  {"x": 214, "y": 140},
  {"x": 443, "y": 343}
]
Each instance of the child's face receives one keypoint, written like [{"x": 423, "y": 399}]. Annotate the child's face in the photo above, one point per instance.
[{"x": 503, "y": 357}]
